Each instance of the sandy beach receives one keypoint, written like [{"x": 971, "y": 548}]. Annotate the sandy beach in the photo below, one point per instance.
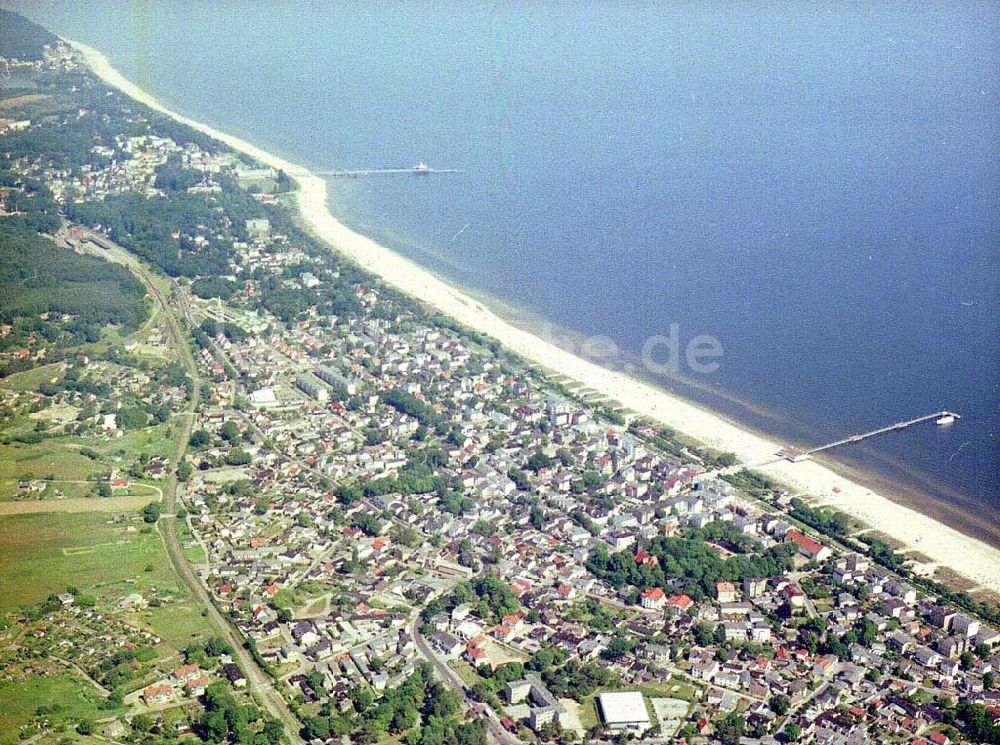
[{"x": 943, "y": 545}]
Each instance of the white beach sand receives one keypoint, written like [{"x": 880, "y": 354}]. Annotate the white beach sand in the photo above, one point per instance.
[{"x": 943, "y": 545}]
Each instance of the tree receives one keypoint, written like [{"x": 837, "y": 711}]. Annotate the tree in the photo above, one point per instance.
[
  {"x": 151, "y": 512},
  {"x": 538, "y": 460},
  {"x": 793, "y": 732},
  {"x": 780, "y": 705},
  {"x": 230, "y": 431},
  {"x": 131, "y": 417},
  {"x": 730, "y": 729},
  {"x": 238, "y": 457}
]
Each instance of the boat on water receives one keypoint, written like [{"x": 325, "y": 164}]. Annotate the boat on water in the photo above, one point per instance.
[
  {"x": 946, "y": 419},
  {"x": 421, "y": 169}
]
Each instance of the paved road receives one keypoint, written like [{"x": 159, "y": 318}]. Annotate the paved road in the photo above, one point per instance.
[{"x": 450, "y": 678}]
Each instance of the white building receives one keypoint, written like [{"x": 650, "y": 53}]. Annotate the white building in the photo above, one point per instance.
[{"x": 624, "y": 711}]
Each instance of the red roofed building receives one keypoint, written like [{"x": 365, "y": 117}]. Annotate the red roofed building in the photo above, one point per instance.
[
  {"x": 654, "y": 598},
  {"x": 187, "y": 672},
  {"x": 158, "y": 694},
  {"x": 197, "y": 686},
  {"x": 679, "y": 602},
  {"x": 641, "y": 557},
  {"x": 807, "y": 546},
  {"x": 725, "y": 592}
]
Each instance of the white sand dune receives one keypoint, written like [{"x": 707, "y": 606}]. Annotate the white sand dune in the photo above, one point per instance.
[{"x": 943, "y": 545}]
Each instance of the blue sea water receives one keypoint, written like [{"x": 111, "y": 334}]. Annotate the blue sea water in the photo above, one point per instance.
[{"x": 813, "y": 184}]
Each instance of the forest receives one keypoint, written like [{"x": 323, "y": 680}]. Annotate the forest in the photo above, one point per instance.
[
  {"x": 20, "y": 38},
  {"x": 37, "y": 278}
]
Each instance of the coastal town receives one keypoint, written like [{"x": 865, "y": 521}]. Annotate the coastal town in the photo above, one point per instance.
[{"x": 355, "y": 520}]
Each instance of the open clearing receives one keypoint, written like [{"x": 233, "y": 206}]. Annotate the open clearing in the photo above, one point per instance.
[
  {"x": 29, "y": 380},
  {"x": 43, "y": 553},
  {"x": 128, "y": 503}
]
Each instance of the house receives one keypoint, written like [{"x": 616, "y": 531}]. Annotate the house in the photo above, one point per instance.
[
  {"x": 754, "y": 587},
  {"x": 197, "y": 686},
  {"x": 654, "y": 598},
  {"x": 679, "y": 603},
  {"x": 807, "y": 546},
  {"x": 186, "y": 672},
  {"x": 477, "y": 655},
  {"x": 965, "y": 625},
  {"x": 234, "y": 675},
  {"x": 447, "y": 644},
  {"x": 158, "y": 693},
  {"x": 725, "y": 592}
]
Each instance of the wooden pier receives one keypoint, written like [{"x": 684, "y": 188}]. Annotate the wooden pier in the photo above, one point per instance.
[
  {"x": 795, "y": 454},
  {"x": 418, "y": 170}
]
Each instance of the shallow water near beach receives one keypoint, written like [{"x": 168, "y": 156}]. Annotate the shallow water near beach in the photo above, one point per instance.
[{"x": 813, "y": 186}]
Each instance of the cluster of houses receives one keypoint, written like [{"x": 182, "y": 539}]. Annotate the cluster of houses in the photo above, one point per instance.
[
  {"x": 316, "y": 416},
  {"x": 525, "y": 482}
]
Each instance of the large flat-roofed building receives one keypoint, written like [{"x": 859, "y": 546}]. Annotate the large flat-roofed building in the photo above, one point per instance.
[{"x": 624, "y": 711}]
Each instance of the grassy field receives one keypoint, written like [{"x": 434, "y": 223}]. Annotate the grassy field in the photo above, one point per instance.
[
  {"x": 54, "y": 490},
  {"x": 152, "y": 441},
  {"x": 42, "y": 553},
  {"x": 464, "y": 670},
  {"x": 118, "y": 504},
  {"x": 29, "y": 380},
  {"x": 47, "y": 458},
  {"x": 176, "y": 622},
  {"x": 193, "y": 551},
  {"x": 21, "y": 699},
  {"x": 60, "y": 457},
  {"x": 675, "y": 688}
]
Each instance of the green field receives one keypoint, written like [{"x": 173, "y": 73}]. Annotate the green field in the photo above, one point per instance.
[
  {"x": 42, "y": 553},
  {"x": 29, "y": 380},
  {"x": 677, "y": 687},
  {"x": 152, "y": 441},
  {"x": 47, "y": 458},
  {"x": 20, "y": 699},
  {"x": 60, "y": 457},
  {"x": 193, "y": 551},
  {"x": 176, "y": 622}
]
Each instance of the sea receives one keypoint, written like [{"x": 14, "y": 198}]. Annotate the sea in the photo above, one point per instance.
[{"x": 808, "y": 189}]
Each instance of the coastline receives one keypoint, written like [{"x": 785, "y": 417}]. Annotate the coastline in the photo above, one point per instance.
[{"x": 942, "y": 545}]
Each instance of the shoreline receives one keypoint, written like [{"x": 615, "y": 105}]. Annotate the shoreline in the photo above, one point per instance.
[{"x": 941, "y": 544}]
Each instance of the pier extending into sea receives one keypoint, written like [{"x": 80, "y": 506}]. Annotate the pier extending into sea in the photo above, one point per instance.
[
  {"x": 421, "y": 169},
  {"x": 795, "y": 454}
]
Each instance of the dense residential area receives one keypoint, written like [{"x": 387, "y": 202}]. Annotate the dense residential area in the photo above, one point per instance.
[{"x": 249, "y": 494}]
